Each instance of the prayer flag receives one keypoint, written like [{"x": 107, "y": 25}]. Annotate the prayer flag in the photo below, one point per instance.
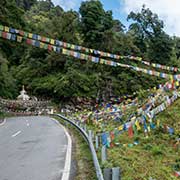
[
  {"x": 35, "y": 36},
  {"x": 137, "y": 125},
  {"x": 52, "y": 41},
  {"x": 6, "y": 29},
  {"x": 13, "y": 37},
  {"x": 4, "y": 35},
  {"x": 11, "y": 30},
  {"x": 19, "y": 38},
  {"x": 120, "y": 128},
  {"x": 50, "y": 47},
  {"x": 104, "y": 138},
  {"x": 30, "y": 35},
  {"x": 130, "y": 131},
  {"x": 1, "y": 28}
]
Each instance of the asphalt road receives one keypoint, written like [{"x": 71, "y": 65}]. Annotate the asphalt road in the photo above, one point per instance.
[{"x": 32, "y": 148}]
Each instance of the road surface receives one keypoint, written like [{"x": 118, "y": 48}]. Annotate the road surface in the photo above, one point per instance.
[{"x": 32, "y": 148}]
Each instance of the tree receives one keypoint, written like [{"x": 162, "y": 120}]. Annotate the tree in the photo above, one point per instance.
[
  {"x": 10, "y": 14},
  {"x": 150, "y": 37},
  {"x": 7, "y": 83},
  {"x": 94, "y": 22},
  {"x": 25, "y": 4}
]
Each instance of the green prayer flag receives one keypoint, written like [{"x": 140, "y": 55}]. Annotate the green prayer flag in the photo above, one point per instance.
[
  {"x": 47, "y": 40},
  {"x": 45, "y": 46},
  {"x": 1, "y": 28},
  {"x": 134, "y": 129}
]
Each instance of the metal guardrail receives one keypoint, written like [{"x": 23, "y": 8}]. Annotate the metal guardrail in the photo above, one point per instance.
[{"x": 88, "y": 138}]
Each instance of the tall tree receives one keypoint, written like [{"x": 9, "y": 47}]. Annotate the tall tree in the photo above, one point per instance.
[
  {"x": 150, "y": 37},
  {"x": 94, "y": 22},
  {"x": 25, "y": 4}
]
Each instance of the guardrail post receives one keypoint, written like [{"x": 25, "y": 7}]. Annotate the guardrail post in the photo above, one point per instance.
[
  {"x": 97, "y": 142},
  {"x": 90, "y": 134},
  {"x": 85, "y": 128},
  {"x": 103, "y": 154},
  {"x": 116, "y": 173},
  {"x": 107, "y": 173}
]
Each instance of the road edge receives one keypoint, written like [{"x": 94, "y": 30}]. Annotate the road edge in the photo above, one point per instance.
[
  {"x": 67, "y": 166},
  {"x": 1, "y": 124}
]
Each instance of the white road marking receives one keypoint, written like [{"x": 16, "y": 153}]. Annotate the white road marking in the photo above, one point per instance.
[
  {"x": 14, "y": 135},
  {"x": 3, "y": 122},
  {"x": 67, "y": 167},
  {"x": 27, "y": 124}
]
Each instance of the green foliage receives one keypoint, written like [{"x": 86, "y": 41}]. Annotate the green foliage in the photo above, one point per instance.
[
  {"x": 7, "y": 84},
  {"x": 150, "y": 37},
  {"x": 56, "y": 76},
  {"x": 156, "y": 150}
]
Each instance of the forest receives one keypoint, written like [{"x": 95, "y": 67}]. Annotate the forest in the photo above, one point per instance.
[{"x": 51, "y": 75}]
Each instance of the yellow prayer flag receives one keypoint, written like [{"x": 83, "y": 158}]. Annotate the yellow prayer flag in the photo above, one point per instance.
[
  {"x": 120, "y": 128},
  {"x": 137, "y": 125},
  {"x": 158, "y": 123},
  {"x": 133, "y": 118},
  {"x": 158, "y": 73},
  {"x": 72, "y": 46},
  {"x": 177, "y": 83},
  {"x": 41, "y": 45},
  {"x": 171, "y": 77},
  {"x": 91, "y": 50},
  {"x": 52, "y": 41},
  {"x": 64, "y": 51},
  {"x": 6, "y": 29},
  {"x": 30, "y": 35}
]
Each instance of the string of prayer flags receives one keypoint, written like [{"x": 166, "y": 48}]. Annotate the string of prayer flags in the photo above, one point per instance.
[
  {"x": 163, "y": 67},
  {"x": 86, "y": 50},
  {"x": 78, "y": 55}
]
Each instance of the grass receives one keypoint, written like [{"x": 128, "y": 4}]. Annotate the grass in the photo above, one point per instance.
[{"x": 154, "y": 157}]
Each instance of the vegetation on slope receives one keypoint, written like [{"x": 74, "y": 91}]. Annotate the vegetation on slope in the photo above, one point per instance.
[{"x": 55, "y": 76}]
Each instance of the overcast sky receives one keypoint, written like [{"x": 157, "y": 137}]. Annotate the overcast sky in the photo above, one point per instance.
[{"x": 167, "y": 10}]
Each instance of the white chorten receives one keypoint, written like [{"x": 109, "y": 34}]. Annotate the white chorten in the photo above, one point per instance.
[{"x": 23, "y": 96}]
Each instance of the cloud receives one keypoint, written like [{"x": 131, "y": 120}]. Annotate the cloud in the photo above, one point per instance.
[
  {"x": 167, "y": 10},
  {"x": 68, "y": 4}
]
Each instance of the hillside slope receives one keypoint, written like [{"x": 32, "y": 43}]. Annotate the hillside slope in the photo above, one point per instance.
[{"x": 156, "y": 156}]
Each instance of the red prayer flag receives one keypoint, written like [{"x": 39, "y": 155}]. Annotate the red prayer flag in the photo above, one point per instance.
[
  {"x": 112, "y": 138},
  {"x": 130, "y": 131},
  {"x": 43, "y": 39},
  {"x": 4, "y": 35},
  {"x": 28, "y": 41},
  {"x": 21, "y": 33},
  {"x": 50, "y": 47}
]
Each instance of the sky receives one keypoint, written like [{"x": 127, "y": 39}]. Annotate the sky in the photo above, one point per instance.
[{"x": 167, "y": 10}]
